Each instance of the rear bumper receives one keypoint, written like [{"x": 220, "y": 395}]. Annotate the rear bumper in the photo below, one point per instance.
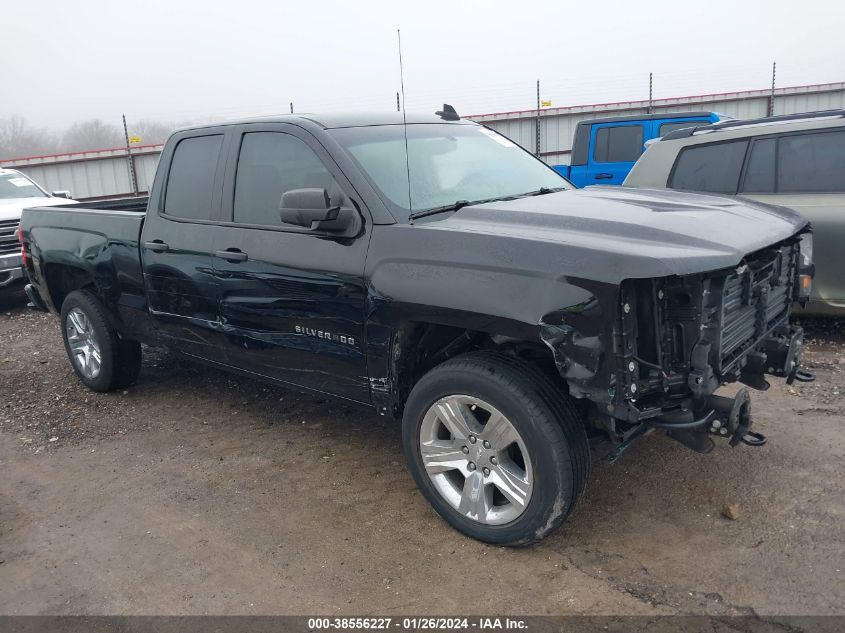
[
  {"x": 11, "y": 269},
  {"x": 35, "y": 299}
]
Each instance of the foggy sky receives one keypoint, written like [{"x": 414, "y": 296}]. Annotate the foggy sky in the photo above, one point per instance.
[{"x": 192, "y": 60}]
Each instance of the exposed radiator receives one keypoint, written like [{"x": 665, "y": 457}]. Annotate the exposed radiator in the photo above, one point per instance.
[{"x": 755, "y": 299}]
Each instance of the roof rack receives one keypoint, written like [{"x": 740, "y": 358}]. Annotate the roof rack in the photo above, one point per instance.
[{"x": 781, "y": 118}]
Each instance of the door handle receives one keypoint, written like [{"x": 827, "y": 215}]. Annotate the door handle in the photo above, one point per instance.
[
  {"x": 232, "y": 255},
  {"x": 156, "y": 246},
  {"x": 604, "y": 176}
]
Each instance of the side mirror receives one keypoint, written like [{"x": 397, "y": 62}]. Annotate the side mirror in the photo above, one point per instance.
[
  {"x": 312, "y": 209},
  {"x": 63, "y": 193}
]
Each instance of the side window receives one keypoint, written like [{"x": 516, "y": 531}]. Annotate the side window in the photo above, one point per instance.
[
  {"x": 760, "y": 170},
  {"x": 665, "y": 128},
  {"x": 190, "y": 183},
  {"x": 811, "y": 162},
  {"x": 711, "y": 168},
  {"x": 618, "y": 144},
  {"x": 271, "y": 163}
]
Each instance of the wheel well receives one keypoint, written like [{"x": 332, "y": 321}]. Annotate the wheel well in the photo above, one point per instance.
[
  {"x": 419, "y": 347},
  {"x": 62, "y": 280}
]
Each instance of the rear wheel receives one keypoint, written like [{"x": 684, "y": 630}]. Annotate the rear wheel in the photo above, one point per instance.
[
  {"x": 101, "y": 359},
  {"x": 495, "y": 447}
]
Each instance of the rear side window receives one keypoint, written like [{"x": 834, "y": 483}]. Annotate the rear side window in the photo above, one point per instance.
[
  {"x": 760, "y": 171},
  {"x": 271, "y": 163},
  {"x": 811, "y": 162},
  {"x": 190, "y": 183},
  {"x": 618, "y": 144},
  {"x": 711, "y": 168}
]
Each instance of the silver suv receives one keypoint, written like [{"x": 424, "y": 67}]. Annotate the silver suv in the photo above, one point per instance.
[{"x": 795, "y": 161}]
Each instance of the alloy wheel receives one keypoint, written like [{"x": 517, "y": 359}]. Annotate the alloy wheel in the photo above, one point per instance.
[{"x": 476, "y": 459}]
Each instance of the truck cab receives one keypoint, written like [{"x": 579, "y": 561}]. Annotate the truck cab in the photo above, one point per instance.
[{"x": 605, "y": 150}]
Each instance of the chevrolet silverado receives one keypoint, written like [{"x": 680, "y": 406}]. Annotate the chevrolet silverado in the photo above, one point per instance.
[{"x": 436, "y": 272}]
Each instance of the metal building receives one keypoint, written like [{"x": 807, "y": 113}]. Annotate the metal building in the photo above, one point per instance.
[
  {"x": 106, "y": 173},
  {"x": 101, "y": 173},
  {"x": 557, "y": 125}
]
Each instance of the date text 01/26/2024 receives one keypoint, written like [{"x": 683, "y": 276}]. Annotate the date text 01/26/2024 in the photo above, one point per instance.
[{"x": 416, "y": 623}]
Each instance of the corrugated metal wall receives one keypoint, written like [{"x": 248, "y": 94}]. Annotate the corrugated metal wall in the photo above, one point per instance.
[
  {"x": 105, "y": 173},
  {"x": 94, "y": 174},
  {"x": 557, "y": 125}
]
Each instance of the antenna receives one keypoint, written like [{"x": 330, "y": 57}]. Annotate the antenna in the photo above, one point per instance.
[{"x": 404, "y": 119}]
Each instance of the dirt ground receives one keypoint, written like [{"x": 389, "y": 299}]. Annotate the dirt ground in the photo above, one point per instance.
[{"x": 194, "y": 492}]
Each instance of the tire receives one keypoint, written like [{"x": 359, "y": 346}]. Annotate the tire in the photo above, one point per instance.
[
  {"x": 543, "y": 459},
  {"x": 87, "y": 334}
]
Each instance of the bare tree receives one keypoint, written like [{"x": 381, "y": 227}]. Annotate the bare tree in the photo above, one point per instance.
[
  {"x": 18, "y": 138},
  {"x": 92, "y": 134}
]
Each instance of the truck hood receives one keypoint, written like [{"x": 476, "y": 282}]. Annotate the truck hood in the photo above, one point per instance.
[
  {"x": 616, "y": 233},
  {"x": 11, "y": 208}
]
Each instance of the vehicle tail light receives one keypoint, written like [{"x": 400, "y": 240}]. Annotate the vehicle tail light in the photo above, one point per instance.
[{"x": 23, "y": 249}]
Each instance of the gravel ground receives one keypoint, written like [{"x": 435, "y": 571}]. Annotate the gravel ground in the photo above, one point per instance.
[{"x": 194, "y": 492}]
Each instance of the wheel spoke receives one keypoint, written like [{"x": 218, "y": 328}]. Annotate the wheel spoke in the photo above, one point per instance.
[
  {"x": 476, "y": 499},
  {"x": 457, "y": 418},
  {"x": 499, "y": 432},
  {"x": 93, "y": 360},
  {"x": 512, "y": 483},
  {"x": 76, "y": 322},
  {"x": 443, "y": 455}
]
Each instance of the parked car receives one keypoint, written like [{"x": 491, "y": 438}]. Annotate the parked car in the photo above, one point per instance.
[
  {"x": 463, "y": 287},
  {"x": 604, "y": 150},
  {"x": 796, "y": 161},
  {"x": 16, "y": 192}
]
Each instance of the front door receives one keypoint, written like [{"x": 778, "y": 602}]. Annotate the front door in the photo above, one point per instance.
[
  {"x": 291, "y": 301},
  {"x": 177, "y": 243},
  {"x": 615, "y": 147}
]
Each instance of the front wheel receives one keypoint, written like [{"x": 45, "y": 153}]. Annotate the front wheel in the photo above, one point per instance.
[{"x": 495, "y": 447}]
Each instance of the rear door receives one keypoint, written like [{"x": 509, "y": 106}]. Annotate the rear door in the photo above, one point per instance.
[
  {"x": 177, "y": 243},
  {"x": 614, "y": 148},
  {"x": 806, "y": 172},
  {"x": 292, "y": 300}
]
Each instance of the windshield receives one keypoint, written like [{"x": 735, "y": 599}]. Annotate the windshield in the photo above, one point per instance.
[
  {"x": 19, "y": 186},
  {"x": 447, "y": 163}
]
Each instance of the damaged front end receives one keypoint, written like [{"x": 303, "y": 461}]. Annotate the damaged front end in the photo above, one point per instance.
[{"x": 675, "y": 340}]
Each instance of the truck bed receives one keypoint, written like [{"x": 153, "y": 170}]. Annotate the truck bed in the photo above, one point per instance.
[
  {"x": 96, "y": 241},
  {"x": 133, "y": 205}
]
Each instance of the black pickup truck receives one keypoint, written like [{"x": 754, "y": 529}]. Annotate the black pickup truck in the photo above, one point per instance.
[{"x": 440, "y": 274}]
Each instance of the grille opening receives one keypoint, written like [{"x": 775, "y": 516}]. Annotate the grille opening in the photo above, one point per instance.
[{"x": 681, "y": 298}]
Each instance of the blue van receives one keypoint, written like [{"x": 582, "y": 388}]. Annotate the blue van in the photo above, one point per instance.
[{"x": 605, "y": 150}]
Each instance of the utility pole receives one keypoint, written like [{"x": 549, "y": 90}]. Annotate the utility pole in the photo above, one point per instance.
[
  {"x": 291, "y": 107},
  {"x": 537, "y": 153},
  {"x": 397, "y": 102},
  {"x": 650, "y": 84},
  {"x": 772, "y": 95},
  {"x": 130, "y": 159}
]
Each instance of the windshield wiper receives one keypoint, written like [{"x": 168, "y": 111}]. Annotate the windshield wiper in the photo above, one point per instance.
[
  {"x": 460, "y": 204},
  {"x": 540, "y": 192}
]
